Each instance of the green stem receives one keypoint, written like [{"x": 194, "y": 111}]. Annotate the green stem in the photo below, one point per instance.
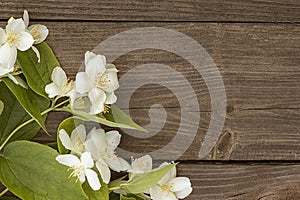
[
  {"x": 29, "y": 121},
  {"x": 3, "y": 192},
  {"x": 114, "y": 188}
]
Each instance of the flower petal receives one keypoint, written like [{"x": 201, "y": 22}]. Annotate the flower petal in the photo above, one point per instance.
[
  {"x": 2, "y": 36},
  {"x": 68, "y": 160},
  {"x": 52, "y": 90},
  {"x": 92, "y": 148},
  {"x": 113, "y": 139},
  {"x": 104, "y": 171},
  {"x": 111, "y": 98},
  {"x": 78, "y": 134},
  {"x": 157, "y": 193},
  {"x": 39, "y": 33},
  {"x": 37, "y": 53},
  {"x": 59, "y": 77},
  {"x": 83, "y": 83},
  {"x": 184, "y": 193},
  {"x": 179, "y": 183},
  {"x": 98, "y": 137},
  {"x": 65, "y": 139},
  {"x": 81, "y": 176},
  {"x": 92, "y": 179},
  {"x": 94, "y": 65},
  {"x": 86, "y": 160},
  {"x": 142, "y": 164},
  {"x": 25, "y": 41},
  {"x": 16, "y": 26},
  {"x": 117, "y": 164},
  {"x": 97, "y": 98},
  {"x": 171, "y": 174},
  {"x": 26, "y": 18},
  {"x": 8, "y": 57}
]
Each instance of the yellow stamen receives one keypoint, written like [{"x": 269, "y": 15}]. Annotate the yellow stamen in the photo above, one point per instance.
[
  {"x": 13, "y": 39},
  {"x": 35, "y": 33}
]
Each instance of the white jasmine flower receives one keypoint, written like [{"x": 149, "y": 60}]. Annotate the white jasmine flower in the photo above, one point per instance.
[
  {"x": 60, "y": 86},
  {"x": 171, "y": 187},
  {"x": 13, "y": 38},
  {"x": 75, "y": 143},
  {"x": 39, "y": 33},
  {"x": 102, "y": 147},
  {"x": 81, "y": 168},
  {"x": 141, "y": 165},
  {"x": 99, "y": 81}
]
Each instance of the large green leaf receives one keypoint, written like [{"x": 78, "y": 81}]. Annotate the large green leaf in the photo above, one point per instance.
[
  {"x": 141, "y": 183},
  {"x": 68, "y": 125},
  {"x": 93, "y": 118},
  {"x": 30, "y": 171},
  {"x": 1, "y": 107},
  {"x": 13, "y": 115},
  {"x": 26, "y": 98},
  {"x": 102, "y": 194},
  {"x": 115, "y": 114},
  {"x": 38, "y": 74}
]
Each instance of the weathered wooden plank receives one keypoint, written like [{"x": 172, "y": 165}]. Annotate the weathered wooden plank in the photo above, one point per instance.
[
  {"x": 143, "y": 10},
  {"x": 259, "y": 65},
  {"x": 242, "y": 180}
]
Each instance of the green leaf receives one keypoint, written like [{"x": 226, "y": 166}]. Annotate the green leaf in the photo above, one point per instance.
[
  {"x": 27, "y": 100},
  {"x": 115, "y": 114},
  {"x": 93, "y": 118},
  {"x": 13, "y": 115},
  {"x": 30, "y": 171},
  {"x": 116, "y": 182},
  {"x": 1, "y": 107},
  {"x": 38, "y": 74},
  {"x": 126, "y": 198},
  {"x": 68, "y": 125},
  {"x": 134, "y": 197},
  {"x": 141, "y": 183},
  {"x": 102, "y": 194}
]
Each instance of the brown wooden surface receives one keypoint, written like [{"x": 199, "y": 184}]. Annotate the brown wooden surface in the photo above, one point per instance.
[
  {"x": 258, "y": 57},
  {"x": 167, "y": 10},
  {"x": 260, "y": 71}
]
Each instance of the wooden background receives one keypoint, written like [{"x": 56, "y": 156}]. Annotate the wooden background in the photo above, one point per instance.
[{"x": 255, "y": 45}]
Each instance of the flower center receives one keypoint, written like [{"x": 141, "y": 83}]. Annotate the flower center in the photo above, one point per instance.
[
  {"x": 166, "y": 188},
  {"x": 13, "y": 39},
  {"x": 67, "y": 86},
  {"x": 101, "y": 80},
  {"x": 79, "y": 146},
  {"x": 35, "y": 33},
  {"x": 76, "y": 171}
]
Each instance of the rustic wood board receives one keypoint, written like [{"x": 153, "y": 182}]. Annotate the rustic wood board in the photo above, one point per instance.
[
  {"x": 256, "y": 47},
  {"x": 260, "y": 72},
  {"x": 169, "y": 10},
  {"x": 243, "y": 181}
]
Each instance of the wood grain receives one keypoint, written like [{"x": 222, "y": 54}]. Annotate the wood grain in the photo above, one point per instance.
[
  {"x": 243, "y": 181},
  {"x": 144, "y": 10},
  {"x": 256, "y": 46},
  {"x": 259, "y": 64}
]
